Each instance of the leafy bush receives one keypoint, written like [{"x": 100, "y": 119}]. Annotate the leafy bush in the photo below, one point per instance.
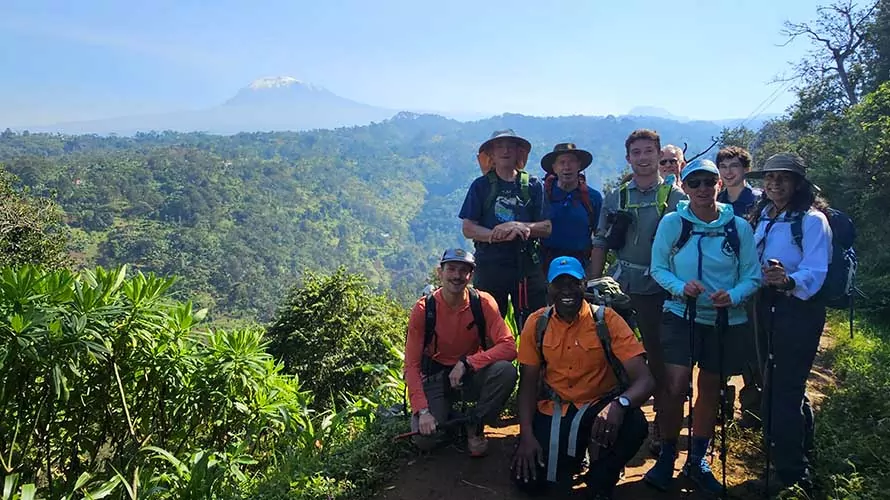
[
  {"x": 329, "y": 326},
  {"x": 107, "y": 387},
  {"x": 853, "y": 424}
]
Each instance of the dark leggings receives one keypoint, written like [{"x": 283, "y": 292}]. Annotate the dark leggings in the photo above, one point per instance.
[{"x": 796, "y": 328}]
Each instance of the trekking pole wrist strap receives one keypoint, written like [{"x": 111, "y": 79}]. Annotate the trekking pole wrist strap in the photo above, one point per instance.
[{"x": 467, "y": 365}]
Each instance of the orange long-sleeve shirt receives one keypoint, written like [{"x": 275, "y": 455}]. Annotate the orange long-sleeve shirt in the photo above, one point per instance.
[{"x": 454, "y": 340}]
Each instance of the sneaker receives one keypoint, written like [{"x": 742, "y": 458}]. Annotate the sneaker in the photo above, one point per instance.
[
  {"x": 477, "y": 443},
  {"x": 661, "y": 474},
  {"x": 701, "y": 475}
]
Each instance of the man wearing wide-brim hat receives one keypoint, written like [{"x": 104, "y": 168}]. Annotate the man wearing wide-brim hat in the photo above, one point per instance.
[
  {"x": 503, "y": 213},
  {"x": 574, "y": 207}
]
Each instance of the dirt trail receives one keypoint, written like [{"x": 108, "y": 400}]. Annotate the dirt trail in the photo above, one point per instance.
[{"x": 449, "y": 473}]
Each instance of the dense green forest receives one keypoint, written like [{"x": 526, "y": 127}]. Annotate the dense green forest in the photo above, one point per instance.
[{"x": 239, "y": 218}]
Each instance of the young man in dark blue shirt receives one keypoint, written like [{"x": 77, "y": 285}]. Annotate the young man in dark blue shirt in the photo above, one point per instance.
[
  {"x": 573, "y": 206},
  {"x": 734, "y": 163},
  {"x": 503, "y": 213}
]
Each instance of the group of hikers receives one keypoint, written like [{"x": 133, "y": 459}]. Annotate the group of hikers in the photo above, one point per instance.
[{"x": 716, "y": 275}]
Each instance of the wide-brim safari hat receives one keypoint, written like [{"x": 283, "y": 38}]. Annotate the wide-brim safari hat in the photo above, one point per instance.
[
  {"x": 486, "y": 162},
  {"x": 783, "y": 162},
  {"x": 505, "y": 134},
  {"x": 566, "y": 147}
]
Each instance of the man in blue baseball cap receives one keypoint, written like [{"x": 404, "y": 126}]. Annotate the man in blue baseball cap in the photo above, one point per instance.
[
  {"x": 583, "y": 379},
  {"x": 458, "y": 348}
]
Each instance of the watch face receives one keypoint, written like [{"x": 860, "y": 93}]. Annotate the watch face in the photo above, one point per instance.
[{"x": 623, "y": 401}]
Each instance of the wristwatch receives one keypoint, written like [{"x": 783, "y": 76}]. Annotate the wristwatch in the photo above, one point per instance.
[
  {"x": 423, "y": 412},
  {"x": 624, "y": 402}
]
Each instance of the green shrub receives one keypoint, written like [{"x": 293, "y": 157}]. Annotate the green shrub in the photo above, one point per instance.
[
  {"x": 853, "y": 424},
  {"x": 328, "y": 327}
]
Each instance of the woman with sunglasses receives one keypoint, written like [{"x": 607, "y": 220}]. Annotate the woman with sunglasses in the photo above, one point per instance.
[
  {"x": 702, "y": 252},
  {"x": 793, "y": 241}
]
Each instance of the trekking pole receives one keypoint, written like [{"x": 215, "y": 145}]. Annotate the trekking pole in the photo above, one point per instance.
[
  {"x": 521, "y": 290},
  {"x": 691, "y": 313},
  {"x": 770, "y": 367},
  {"x": 450, "y": 423},
  {"x": 722, "y": 327}
]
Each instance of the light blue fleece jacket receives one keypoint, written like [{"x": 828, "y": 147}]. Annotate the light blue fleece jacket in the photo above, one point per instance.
[{"x": 721, "y": 269}]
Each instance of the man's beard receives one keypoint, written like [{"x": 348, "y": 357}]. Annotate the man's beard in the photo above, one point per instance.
[{"x": 568, "y": 304}]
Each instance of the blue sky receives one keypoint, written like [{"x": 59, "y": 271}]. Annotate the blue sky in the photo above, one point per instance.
[{"x": 707, "y": 59}]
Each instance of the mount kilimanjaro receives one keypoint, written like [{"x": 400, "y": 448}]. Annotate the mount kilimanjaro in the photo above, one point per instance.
[{"x": 267, "y": 104}]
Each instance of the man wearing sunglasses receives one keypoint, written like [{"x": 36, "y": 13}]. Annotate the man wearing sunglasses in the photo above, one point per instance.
[{"x": 671, "y": 163}]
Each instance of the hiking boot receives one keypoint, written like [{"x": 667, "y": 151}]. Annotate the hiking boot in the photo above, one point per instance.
[
  {"x": 477, "y": 443},
  {"x": 661, "y": 474},
  {"x": 701, "y": 475}
]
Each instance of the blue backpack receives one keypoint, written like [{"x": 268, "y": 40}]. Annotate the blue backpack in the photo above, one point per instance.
[{"x": 840, "y": 282}]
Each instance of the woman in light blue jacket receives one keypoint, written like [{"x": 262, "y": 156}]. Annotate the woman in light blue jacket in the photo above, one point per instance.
[{"x": 703, "y": 252}]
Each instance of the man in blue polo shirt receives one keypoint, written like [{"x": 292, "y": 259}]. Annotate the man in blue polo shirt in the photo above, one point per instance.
[
  {"x": 734, "y": 163},
  {"x": 574, "y": 207}
]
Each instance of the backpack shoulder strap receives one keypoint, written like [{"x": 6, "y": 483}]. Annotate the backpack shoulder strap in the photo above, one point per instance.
[
  {"x": 540, "y": 328},
  {"x": 602, "y": 331},
  {"x": 478, "y": 316},
  {"x": 584, "y": 190},
  {"x": 549, "y": 179},
  {"x": 430, "y": 324},
  {"x": 622, "y": 196},
  {"x": 523, "y": 186},
  {"x": 797, "y": 229},
  {"x": 685, "y": 233},
  {"x": 732, "y": 236},
  {"x": 492, "y": 189},
  {"x": 661, "y": 197}
]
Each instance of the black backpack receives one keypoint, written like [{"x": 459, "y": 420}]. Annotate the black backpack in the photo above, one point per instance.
[
  {"x": 428, "y": 366},
  {"x": 598, "y": 313}
]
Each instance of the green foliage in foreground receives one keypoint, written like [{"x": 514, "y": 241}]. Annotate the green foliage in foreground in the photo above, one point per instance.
[
  {"x": 853, "y": 423},
  {"x": 108, "y": 388}
]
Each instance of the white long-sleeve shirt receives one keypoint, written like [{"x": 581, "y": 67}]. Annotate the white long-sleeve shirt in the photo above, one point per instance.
[{"x": 807, "y": 268}]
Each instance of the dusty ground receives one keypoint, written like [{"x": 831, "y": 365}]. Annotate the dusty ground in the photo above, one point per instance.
[{"x": 450, "y": 474}]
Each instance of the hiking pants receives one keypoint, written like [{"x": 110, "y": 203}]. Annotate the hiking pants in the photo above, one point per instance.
[
  {"x": 604, "y": 473},
  {"x": 797, "y": 328},
  {"x": 502, "y": 281},
  {"x": 489, "y": 388},
  {"x": 649, "y": 313}
]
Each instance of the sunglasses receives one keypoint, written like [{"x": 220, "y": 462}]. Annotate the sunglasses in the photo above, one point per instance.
[
  {"x": 672, "y": 161},
  {"x": 695, "y": 183}
]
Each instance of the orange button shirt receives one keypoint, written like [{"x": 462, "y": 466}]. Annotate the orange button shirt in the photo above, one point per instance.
[
  {"x": 454, "y": 340},
  {"x": 577, "y": 369}
]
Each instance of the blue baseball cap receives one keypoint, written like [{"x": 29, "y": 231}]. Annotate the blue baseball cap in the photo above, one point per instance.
[
  {"x": 699, "y": 166},
  {"x": 458, "y": 255},
  {"x": 565, "y": 265}
]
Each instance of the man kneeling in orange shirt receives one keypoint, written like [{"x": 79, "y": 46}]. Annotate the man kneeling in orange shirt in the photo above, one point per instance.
[
  {"x": 458, "y": 347},
  {"x": 582, "y": 363}
]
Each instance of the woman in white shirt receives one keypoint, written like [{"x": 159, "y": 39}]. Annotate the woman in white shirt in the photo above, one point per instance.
[{"x": 793, "y": 240}]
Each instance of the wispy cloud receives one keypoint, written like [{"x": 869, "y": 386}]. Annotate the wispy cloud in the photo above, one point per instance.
[{"x": 178, "y": 53}]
